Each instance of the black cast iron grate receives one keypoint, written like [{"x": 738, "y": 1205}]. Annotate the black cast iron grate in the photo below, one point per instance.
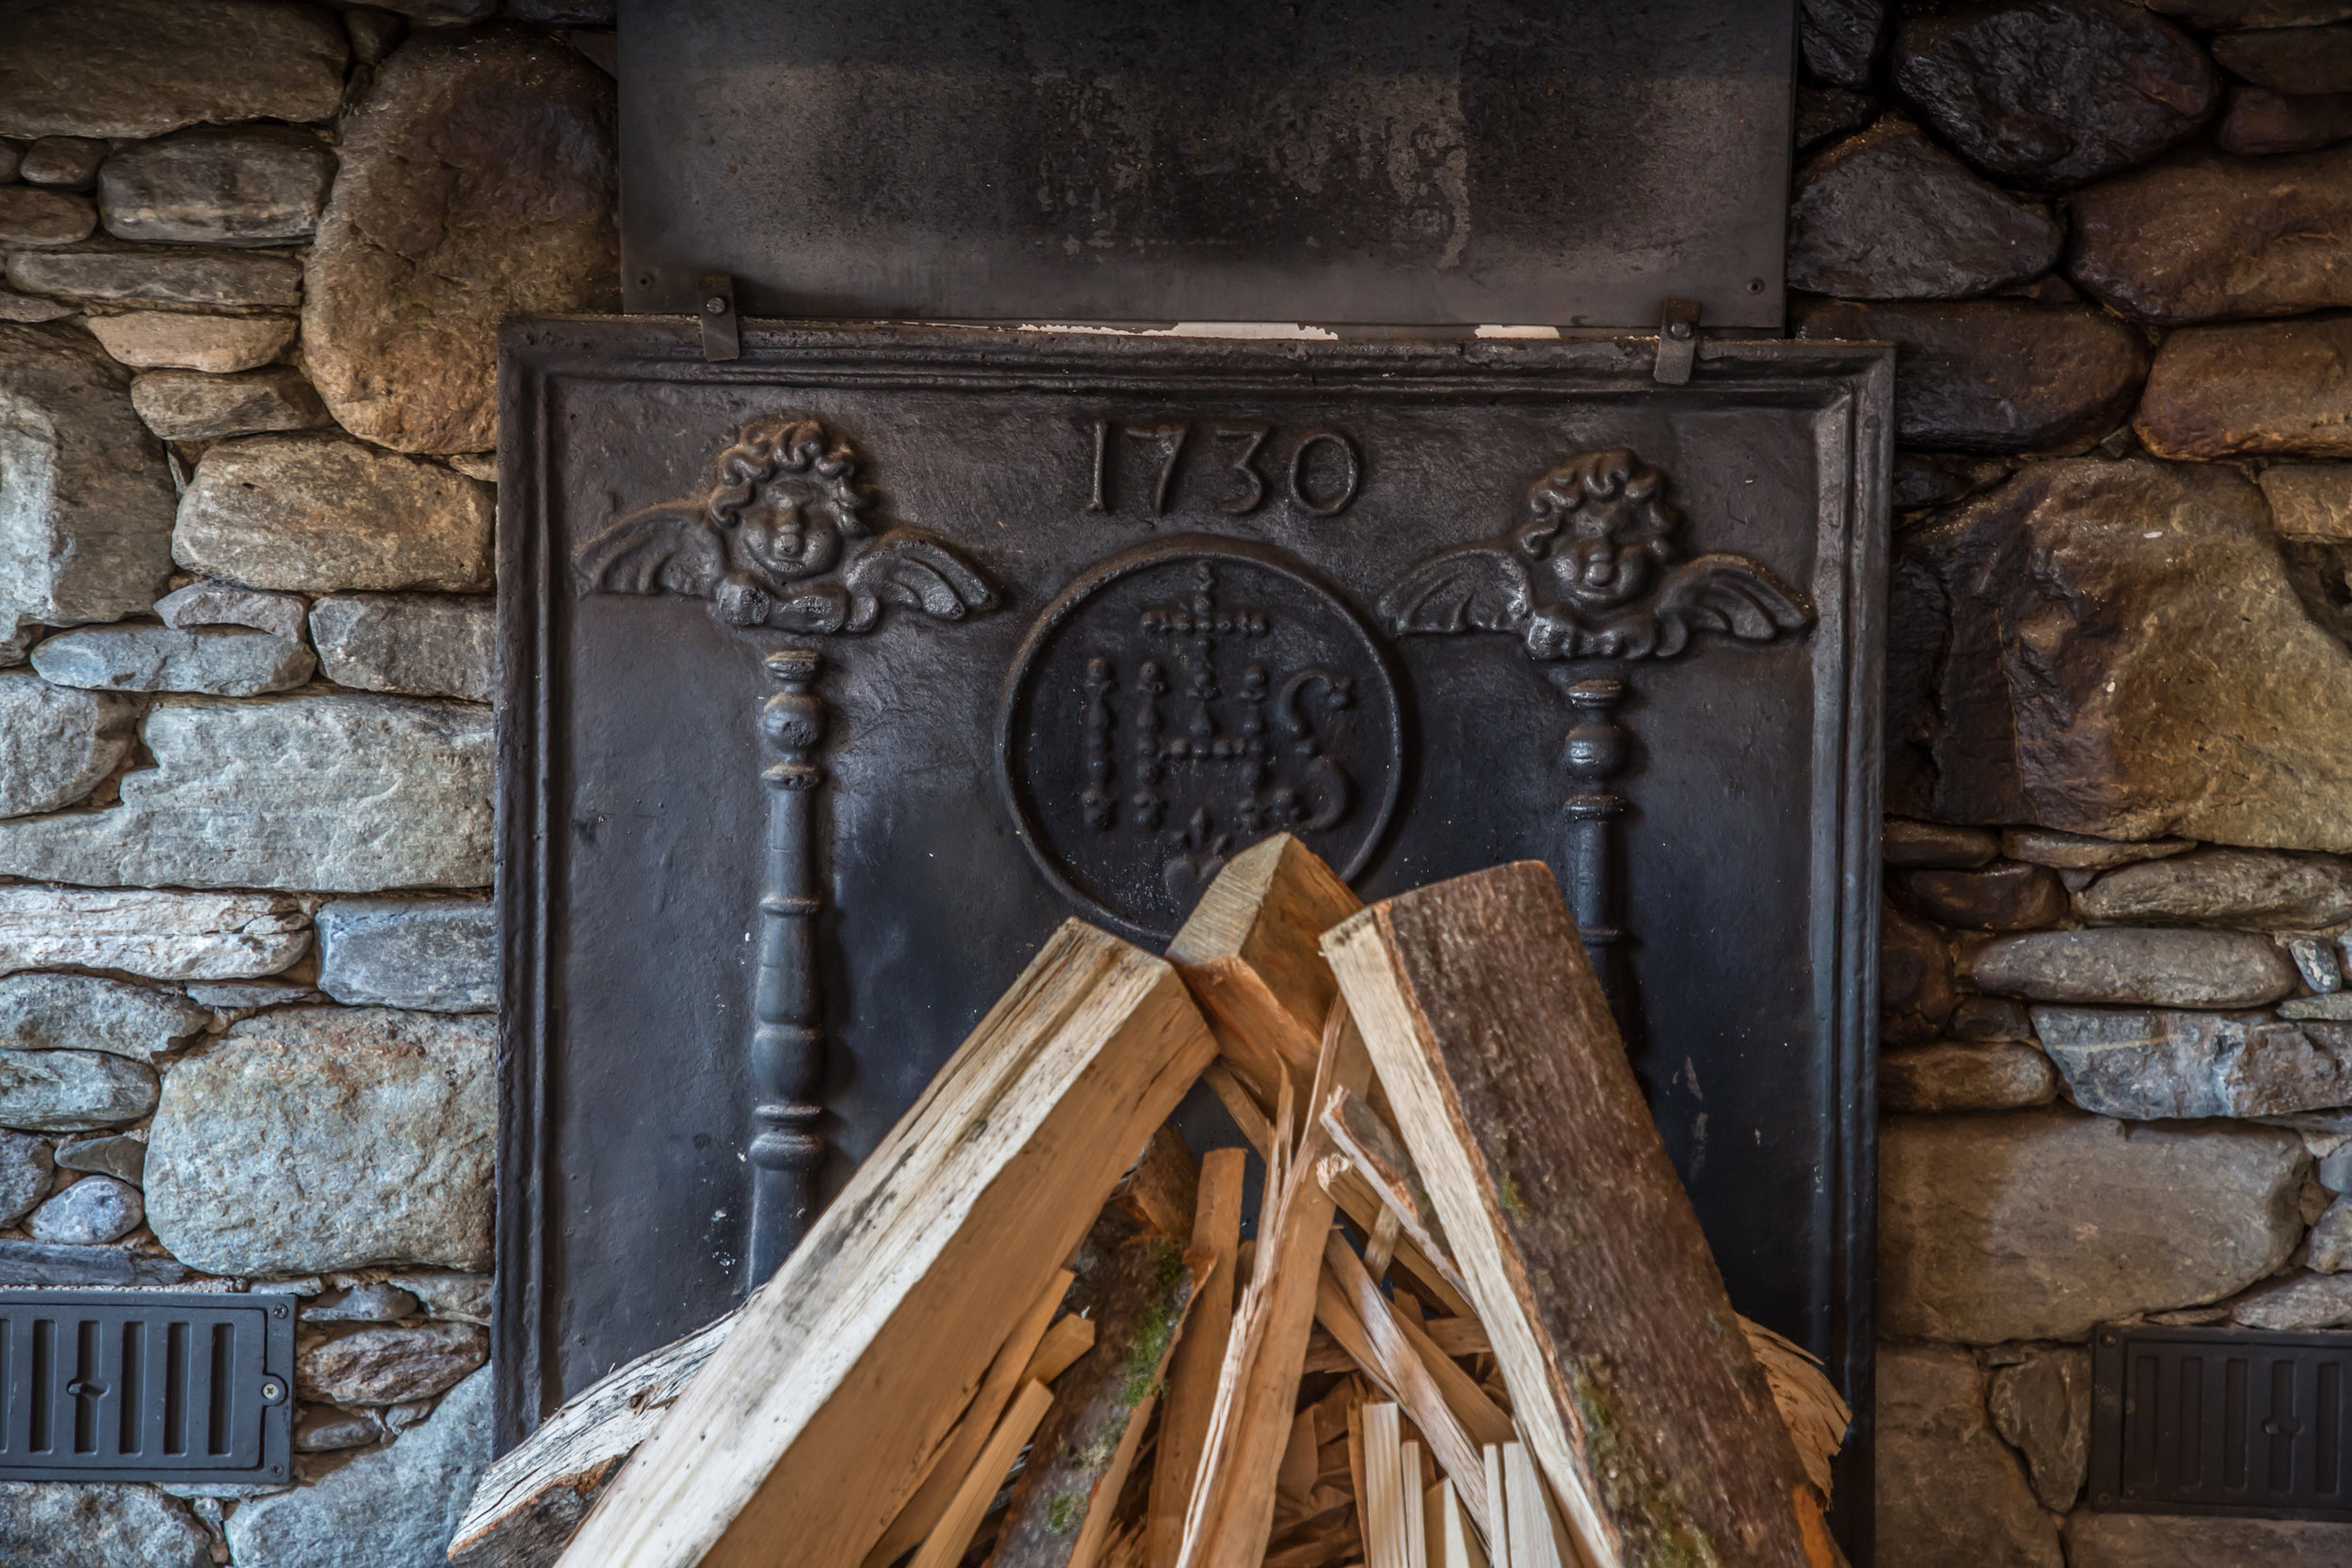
[
  {"x": 2221, "y": 1420},
  {"x": 146, "y": 1385}
]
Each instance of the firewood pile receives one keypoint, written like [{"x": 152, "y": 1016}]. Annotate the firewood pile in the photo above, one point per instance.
[{"x": 1476, "y": 1326}]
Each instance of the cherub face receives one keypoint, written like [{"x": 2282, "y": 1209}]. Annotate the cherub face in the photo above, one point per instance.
[
  {"x": 783, "y": 537},
  {"x": 1605, "y": 556}
]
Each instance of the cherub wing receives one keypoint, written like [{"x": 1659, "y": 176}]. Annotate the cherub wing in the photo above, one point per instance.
[
  {"x": 1728, "y": 594},
  {"x": 918, "y": 570},
  {"x": 1481, "y": 587},
  {"x": 670, "y": 547}
]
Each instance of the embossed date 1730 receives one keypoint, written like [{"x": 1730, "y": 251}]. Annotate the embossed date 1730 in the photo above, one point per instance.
[{"x": 1244, "y": 464}]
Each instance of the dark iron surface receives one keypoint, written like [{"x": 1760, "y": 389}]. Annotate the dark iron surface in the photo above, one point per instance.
[
  {"x": 835, "y": 675},
  {"x": 1570, "y": 162},
  {"x": 2221, "y": 1420},
  {"x": 149, "y": 1385}
]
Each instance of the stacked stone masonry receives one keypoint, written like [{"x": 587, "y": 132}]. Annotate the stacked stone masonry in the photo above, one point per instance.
[
  {"x": 2116, "y": 1079},
  {"x": 254, "y": 253}
]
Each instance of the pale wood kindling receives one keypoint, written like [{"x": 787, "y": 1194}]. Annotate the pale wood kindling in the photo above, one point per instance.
[
  {"x": 1513, "y": 1094},
  {"x": 1192, "y": 1375},
  {"x": 847, "y": 1371},
  {"x": 948, "y": 1539}
]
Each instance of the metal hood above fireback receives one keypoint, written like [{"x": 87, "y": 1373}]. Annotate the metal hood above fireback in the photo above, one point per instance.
[{"x": 1573, "y": 163}]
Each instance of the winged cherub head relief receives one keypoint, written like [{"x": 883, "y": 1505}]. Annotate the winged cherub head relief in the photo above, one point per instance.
[
  {"x": 1592, "y": 574},
  {"x": 782, "y": 538}
]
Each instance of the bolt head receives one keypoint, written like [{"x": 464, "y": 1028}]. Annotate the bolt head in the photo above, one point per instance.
[
  {"x": 1679, "y": 330},
  {"x": 715, "y": 305}
]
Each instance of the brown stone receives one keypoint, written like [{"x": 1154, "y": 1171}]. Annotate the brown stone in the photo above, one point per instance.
[
  {"x": 1826, "y": 112},
  {"x": 2041, "y": 1407},
  {"x": 32, "y": 216},
  {"x": 2310, "y": 500},
  {"x": 1915, "y": 979},
  {"x": 1888, "y": 215},
  {"x": 2266, "y": 387},
  {"x": 2259, "y": 123},
  {"x": 2114, "y": 649},
  {"x": 2010, "y": 896},
  {"x": 2035, "y": 1225},
  {"x": 2253, "y": 13},
  {"x": 420, "y": 258},
  {"x": 1908, "y": 844},
  {"x": 138, "y": 68},
  {"x": 255, "y": 184},
  {"x": 2226, "y": 887},
  {"x": 189, "y": 406},
  {"x": 1995, "y": 375},
  {"x": 1948, "y": 1495},
  {"x": 2289, "y": 59},
  {"x": 2095, "y": 1539},
  {"x": 135, "y": 275},
  {"x": 2081, "y": 852},
  {"x": 69, "y": 163},
  {"x": 1951, "y": 1076},
  {"x": 2136, "y": 966},
  {"x": 2054, "y": 92},
  {"x": 173, "y": 339},
  {"x": 1938, "y": 478},
  {"x": 2210, "y": 237},
  {"x": 390, "y": 1366},
  {"x": 1985, "y": 1019}
]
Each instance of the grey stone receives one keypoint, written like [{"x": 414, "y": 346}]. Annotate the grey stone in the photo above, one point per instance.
[
  {"x": 58, "y": 744},
  {"x": 1888, "y": 215},
  {"x": 2315, "y": 961},
  {"x": 2329, "y": 1250},
  {"x": 2310, "y": 500},
  {"x": 2136, "y": 967},
  {"x": 1950, "y": 1495},
  {"x": 215, "y": 662},
  {"x": 1951, "y": 1076},
  {"x": 1839, "y": 40},
  {"x": 120, "y": 1155},
  {"x": 17, "y": 642},
  {"x": 337, "y": 793},
  {"x": 2335, "y": 1007},
  {"x": 2335, "y": 1171},
  {"x": 2079, "y": 852},
  {"x": 165, "y": 936},
  {"x": 93, "y": 1210},
  {"x": 329, "y": 1139},
  {"x": 70, "y": 162},
  {"x": 2010, "y": 895},
  {"x": 2174, "y": 1540},
  {"x": 483, "y": 465},
  {"x": 225, "y": 604},
  {"x": 47, "y": 1524},
  {"x": 1925, "y": 478},
  {"x": 154, "y": 274},
  {"x": 465, "y": 1298},
  {"x": 393, "y": 1506},
  {"x": 319, "y": 513},
  {"x": 15, "y": 307},
  {"x": 375, "y": 1302},
  {"x": 2041, "y": 1407},
  {"x": 2054, "y": 92},
  {"x": 427, "y": 645},
  {"x": 32, "y": 216},
  {"x": 73, "y": 1091},
  {"x": 416, "y": 261},
  {"x": 2035, "y": 1225},
  {"x": 2260, "y": 124},
  {"x": 238, "y": 1002},
  {"x": 27, "y": 1170},
  {"x": 1915, "y": 979},
  {"x": 139, "y": 68},
  {"x": 2210, "y": 237},
  {"x": 37, "y": 1264},
  {"x": 444, "y": 12},
  {"x": 399, "y": 1417},
  {"x": 438, "y": 955},
  {"x": 191, "y": 405},
  {"x": 1995, "y": 375},
  {"x": 2173, "y": 683},
  {"x": 2144, "y": 1063},
  {"x": 2297, "y": 1304},
  {"x": 86, "y": 509},
  {"x": 2253, "y": 388},
  {"x": 323, "y": 1429},
  {"x": 2216, "y": 887},
  {"x": 170, "y": 340},
  {"x": 1908, "y": 844},
  {"x": 1821, "y": 112},
  {"x": 258, "y": 184},
  {"x": 88, "y": 1012},
  {"x": 390, "y": 1366}
]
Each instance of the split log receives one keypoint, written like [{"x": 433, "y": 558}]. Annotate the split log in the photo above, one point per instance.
[
  {"x": 1137, "y": 1310},
  {"x": 533, "y": 1496},
  {"x": 1192, "y": 1376},
  {"x": 1634, "y": 1387},
  {"x": 910, "y": 1282}
]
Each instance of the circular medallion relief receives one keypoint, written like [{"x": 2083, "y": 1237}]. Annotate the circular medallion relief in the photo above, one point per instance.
[{"x": 1179, "y": 703}]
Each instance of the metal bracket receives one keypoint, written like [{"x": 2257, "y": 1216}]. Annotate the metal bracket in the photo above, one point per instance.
[
  {"x": 721, "y": 336},
  {"x": 1678, "y": 341}
]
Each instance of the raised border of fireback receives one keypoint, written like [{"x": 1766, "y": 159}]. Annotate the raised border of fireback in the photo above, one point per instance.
[{"x": 1850, "y": 385}]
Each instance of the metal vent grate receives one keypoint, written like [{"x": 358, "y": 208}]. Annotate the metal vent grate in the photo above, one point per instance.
[
  {"x": 2221, "y": 1420},
  {"x": 146, "y": 1385}
]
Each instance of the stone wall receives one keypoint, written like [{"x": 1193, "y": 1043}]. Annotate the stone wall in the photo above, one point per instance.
[
  {"x": 255, "y": 251},
  {"x": 2118, "y": 1037}
]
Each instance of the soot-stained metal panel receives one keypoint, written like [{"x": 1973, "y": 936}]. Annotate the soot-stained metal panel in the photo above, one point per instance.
[
  {"x": 1575, "y": 163},
  {"x": 838, "y": 675}
]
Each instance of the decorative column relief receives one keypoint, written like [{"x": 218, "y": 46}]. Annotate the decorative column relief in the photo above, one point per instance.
[{"x": 788, "y": 1003}]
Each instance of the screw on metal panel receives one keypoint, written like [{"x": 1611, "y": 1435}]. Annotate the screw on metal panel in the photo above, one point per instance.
[
  {"x": 279, "y": 1310},
  {"x": 273, "y": 1390}
]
